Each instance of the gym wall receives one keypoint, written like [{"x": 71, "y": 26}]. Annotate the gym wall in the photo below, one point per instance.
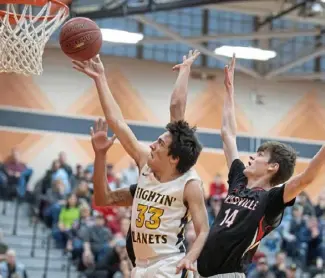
[{"x": 50, "y": 113}]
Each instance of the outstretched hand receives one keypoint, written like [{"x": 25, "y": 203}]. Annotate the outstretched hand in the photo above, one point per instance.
[
  {"x": 187, "y": 60},
  {"x": 229, "y": 75},
  {"x": 101, "y": 143},
  {"x": 93, "y": 67}
]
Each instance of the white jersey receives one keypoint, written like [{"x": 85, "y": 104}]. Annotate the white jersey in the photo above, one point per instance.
[{"x": 159, "y": 215}]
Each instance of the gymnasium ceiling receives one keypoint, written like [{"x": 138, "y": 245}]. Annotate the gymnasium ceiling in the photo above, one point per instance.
[{"x": 294, "y": 29}]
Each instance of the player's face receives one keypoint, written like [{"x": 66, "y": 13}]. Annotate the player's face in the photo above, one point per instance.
[
  {"x": 158, "y": 157},
  {"x": 258, "y": 165}
]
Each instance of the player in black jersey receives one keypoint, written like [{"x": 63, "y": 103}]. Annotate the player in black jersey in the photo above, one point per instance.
[{"x": 256, "y": 199}]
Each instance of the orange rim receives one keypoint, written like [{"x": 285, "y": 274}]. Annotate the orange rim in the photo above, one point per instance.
[{"x": 40, "y": 3}]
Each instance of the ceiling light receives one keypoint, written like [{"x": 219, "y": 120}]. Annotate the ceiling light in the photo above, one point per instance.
[
  {"x": 249, "y": 53},
  {"x": 119, "y": 36}
]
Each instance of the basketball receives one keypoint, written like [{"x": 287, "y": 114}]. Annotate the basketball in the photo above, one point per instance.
[{"x": 80, "y": 39}]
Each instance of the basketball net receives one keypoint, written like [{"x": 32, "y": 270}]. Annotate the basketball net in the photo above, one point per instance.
[{"x": 23, "y": 37}]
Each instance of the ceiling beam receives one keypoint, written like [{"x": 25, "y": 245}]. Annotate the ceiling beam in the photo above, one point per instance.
[
  {"x": 259, "y": 10},
  {"x": 282, "y": 13},
  {"x": 176, "y": 37},
  {"x": 280, "y": 34},
  {"x": 304, "y": 57},
  {"x": 300, "y": 77}
]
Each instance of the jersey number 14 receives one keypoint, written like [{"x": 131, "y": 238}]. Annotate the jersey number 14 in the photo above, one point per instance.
[{"x": 229, "y": 218}]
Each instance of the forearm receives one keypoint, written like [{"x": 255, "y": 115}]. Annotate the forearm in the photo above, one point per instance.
[
  {"x": 110, "y": 107},
  {"x": 101, "y": 188},
  {"x": 179, "y": 95},
  {"x": 229, "y": 126},
  {"x": 197, "y": 246},
  {"x": 314, "y": 166},
  {"x": 297, "y": 184}
]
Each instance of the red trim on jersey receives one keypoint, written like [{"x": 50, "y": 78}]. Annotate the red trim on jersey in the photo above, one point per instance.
[{"x": 261, "y": 231}]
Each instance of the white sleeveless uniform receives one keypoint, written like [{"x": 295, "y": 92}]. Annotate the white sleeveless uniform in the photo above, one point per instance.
[{"x": 158, "y": 222}]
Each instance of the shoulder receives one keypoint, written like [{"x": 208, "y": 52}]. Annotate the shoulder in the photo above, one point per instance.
[
  {"x": 193, "y": 190},
  {"x": 236, "y": 173},
  {"x": 237, "y": 165},
  {"x": 191, "y": 175}
]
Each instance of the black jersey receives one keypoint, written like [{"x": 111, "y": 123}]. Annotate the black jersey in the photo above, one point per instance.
[
  {"x": 129, "y": 245},
  {"x": 245, "y": 217}
]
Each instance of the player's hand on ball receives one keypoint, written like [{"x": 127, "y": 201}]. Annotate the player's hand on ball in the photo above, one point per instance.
[
  {"x": 101, "y": 143},
  {"x": 185, "y": 264},
  {"x": 229, "y": 75},
  {"x": 93, "y": 67},
  {"x": 187, "y": 60}
]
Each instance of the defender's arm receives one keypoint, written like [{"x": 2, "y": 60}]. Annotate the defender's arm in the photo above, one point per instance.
[
  {"x": 298, "y": 183},
  {"x": 229, "y": 126}
]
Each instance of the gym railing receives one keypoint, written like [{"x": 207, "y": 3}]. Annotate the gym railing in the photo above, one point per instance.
[{"x": 35, "y": 237}]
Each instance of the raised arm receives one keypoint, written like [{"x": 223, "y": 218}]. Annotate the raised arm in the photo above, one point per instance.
[
  {"x": 229, "y": 126},
  {"x": 179, "y": 95},
  {"x": 298, "y": 183},
  {"x": 94, "y": 68},
  {"x": 103, "y": 195},
  {"x": 194, "y": 197}
]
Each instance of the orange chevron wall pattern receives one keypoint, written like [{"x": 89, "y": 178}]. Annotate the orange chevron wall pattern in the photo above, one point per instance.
[{"x": 64, "y": 92}]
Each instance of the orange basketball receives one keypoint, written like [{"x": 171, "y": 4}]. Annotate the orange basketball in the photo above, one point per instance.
[{"x": 80, "y": 38}]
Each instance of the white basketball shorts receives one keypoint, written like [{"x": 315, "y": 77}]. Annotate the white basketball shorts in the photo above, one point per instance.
[{"x": 160, "y": 268}]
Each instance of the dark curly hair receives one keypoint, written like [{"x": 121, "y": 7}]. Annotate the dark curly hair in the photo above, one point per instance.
[
  {"x": 282, "y": 154},
  {"x": 185, "y": 145}
]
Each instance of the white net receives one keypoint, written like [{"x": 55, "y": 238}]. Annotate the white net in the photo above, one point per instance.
[{"x": 23, "y": 38}]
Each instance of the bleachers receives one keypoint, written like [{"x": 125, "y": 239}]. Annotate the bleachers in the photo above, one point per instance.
[{"x": 32, "y": 249}]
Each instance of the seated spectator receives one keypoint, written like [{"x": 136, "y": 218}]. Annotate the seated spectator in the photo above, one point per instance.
[
  {"x": 111, "y": 179},
  {"x": 314, "y": 246},
  {"x": 83, "y": 192},
  {"x": 280, "y": 267},
  {"x": 320, "y": 207},
  {"x": 218, "y": 188},
  {"x": 215, "y": 203},
  {"x": 56, "y": 173},
  {"x": 271, "y": 244},
  {"x": 11, "y": 268},
  {"x": 77, "y": 177},
  {"x": 124, "y": 227},
  {"x": 115, "y": 263},
  {"x": 79, "y": 231},
  {"x": 64, "y": 165},
  {"x": 96, "y": 241},
  {"x": 110, "y": 214},
  {"x": 292, "y": 271},
  {"x": 304, "y": 201},
  {"x": 262, "y": 270},
  {"x": 3, "y": 247},
  {"x": 18, "y": 173},
  {"x": 3, "y": 183},
  {"x": 294, "y": 235},
  {"x": 68, "y": 215},
  {"x": 88, "y": 177},
  {"x": 53, "y": 201},
  {"x": 129, "y": 175}
]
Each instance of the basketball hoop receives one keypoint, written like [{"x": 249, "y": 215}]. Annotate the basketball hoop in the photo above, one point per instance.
[{"x": 23, "y": 35}]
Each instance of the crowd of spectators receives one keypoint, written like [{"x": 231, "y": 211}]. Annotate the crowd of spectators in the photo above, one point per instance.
[{"x": 95, "y": 237}]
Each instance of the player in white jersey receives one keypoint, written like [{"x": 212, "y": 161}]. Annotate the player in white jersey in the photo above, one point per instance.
[{"x": 168, "y": 190}]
